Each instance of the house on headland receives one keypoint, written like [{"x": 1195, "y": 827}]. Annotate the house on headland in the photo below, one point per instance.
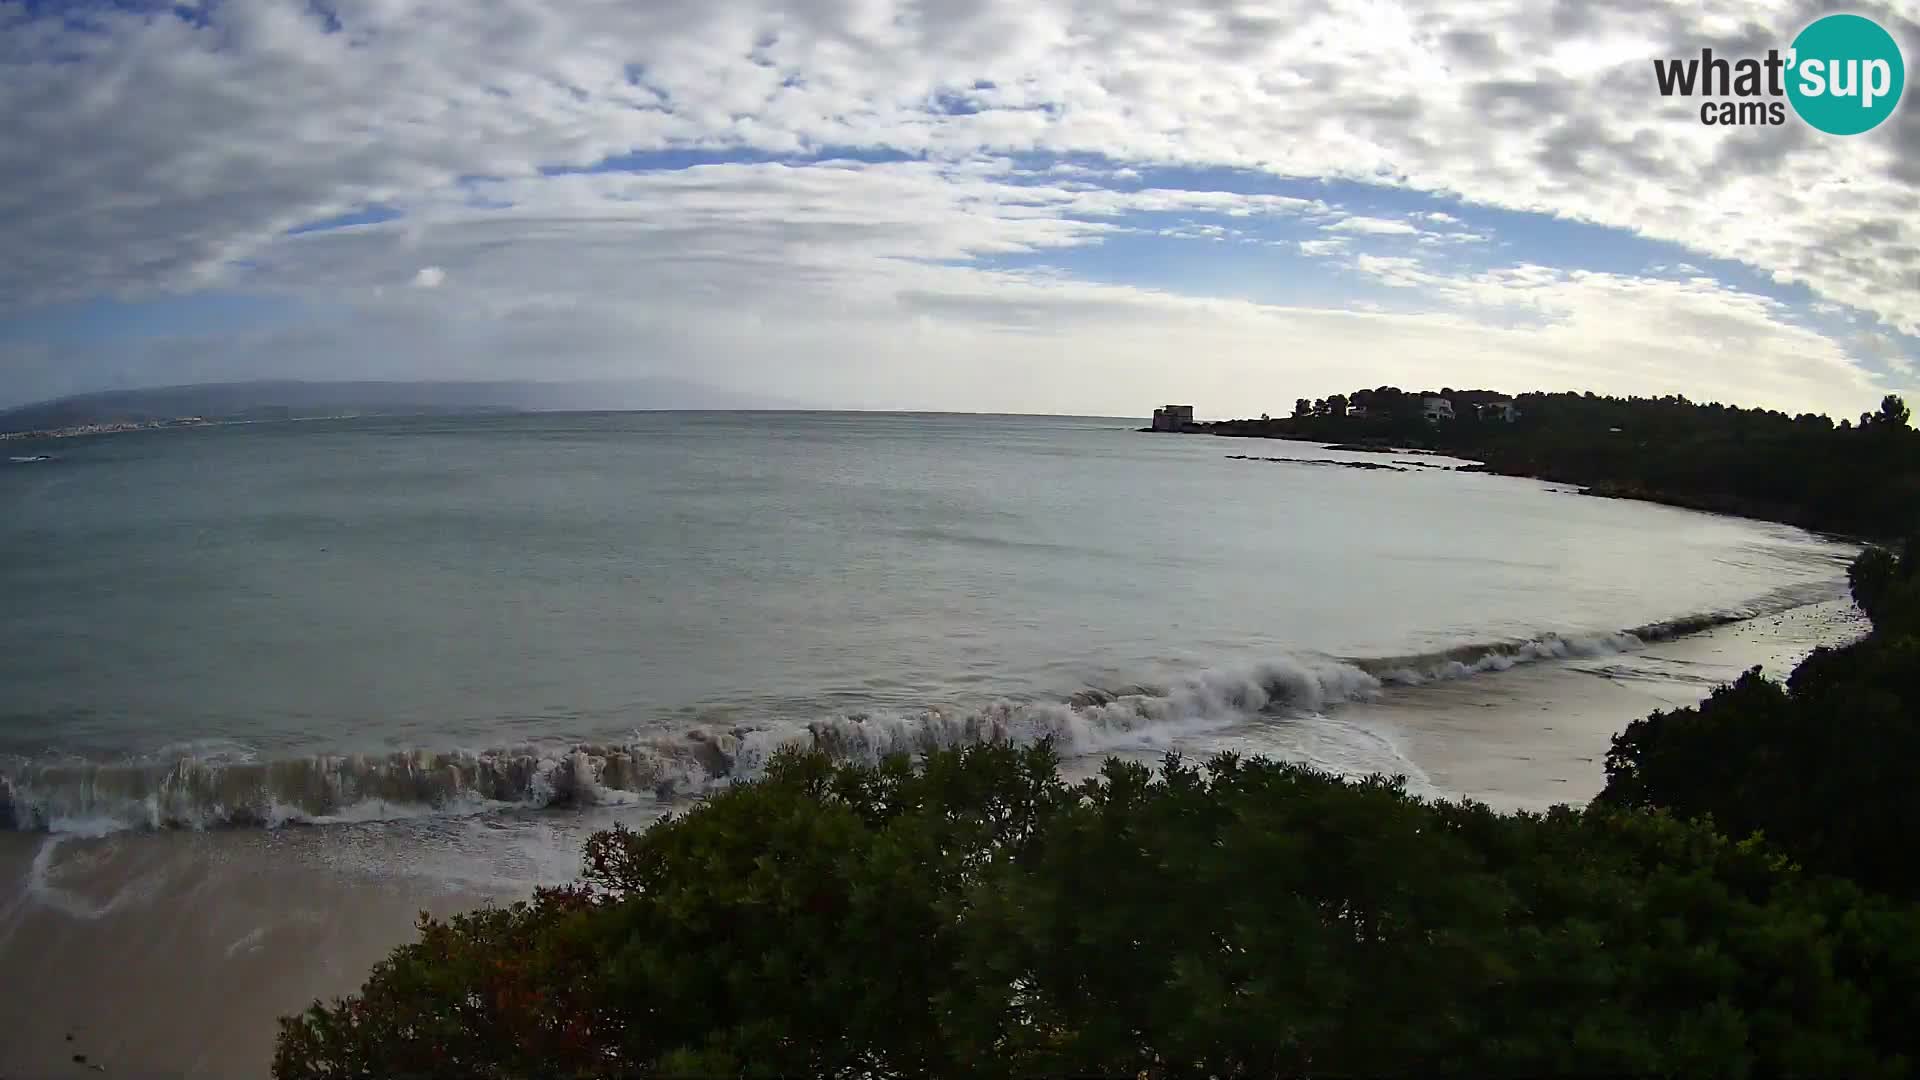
[
  {"x": 1497, "y": 410},
  {"x": 1173, "y": 418},
  {"x": 1435, "y": 408}
]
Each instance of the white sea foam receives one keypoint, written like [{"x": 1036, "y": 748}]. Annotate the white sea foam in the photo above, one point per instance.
[
  {"x": 223, "y": 784},
  {"x": 43, "y": 887}
]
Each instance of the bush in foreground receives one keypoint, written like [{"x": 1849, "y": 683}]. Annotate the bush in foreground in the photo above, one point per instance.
[
  {"x": 979, "y": 916},
  {"x": 1822, "y": 766}
]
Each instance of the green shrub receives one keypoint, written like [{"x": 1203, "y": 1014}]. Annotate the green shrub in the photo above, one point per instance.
[
  {"x": 1821, "y": 766},
  {"x": 979, "y": 916}
]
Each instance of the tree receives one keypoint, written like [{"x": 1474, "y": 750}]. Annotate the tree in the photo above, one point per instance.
[
  {"x": 978, "y": 915},
  {"x": 1804, "y": 470},
  {"x": 1337, "y": 405},
  {"x": 1822, "y": 765},
  {"x": 1302, "y": 407}
]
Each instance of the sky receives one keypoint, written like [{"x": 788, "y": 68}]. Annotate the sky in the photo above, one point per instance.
[{"x": 1060, "y": 206}]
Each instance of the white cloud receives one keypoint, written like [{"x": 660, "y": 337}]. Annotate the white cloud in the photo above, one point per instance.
[
  {"x": 1399, "y": 271},
  {"x": 881, "y": 332},
  {"x": 150, "y": 153},
  {"x": 262, "y": 119},
  {"x": 429, "y": 277},
  {"x": 1372, "y": 226},
  {"x": 798, "y": 304},
  {"x": 1322, "y": 247}
]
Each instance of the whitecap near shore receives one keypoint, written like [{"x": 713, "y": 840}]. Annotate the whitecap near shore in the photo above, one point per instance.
[{"x": 229, "y": 787}]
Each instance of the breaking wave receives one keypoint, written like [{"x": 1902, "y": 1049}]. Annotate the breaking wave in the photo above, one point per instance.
[{"x": 219, "y": 788}]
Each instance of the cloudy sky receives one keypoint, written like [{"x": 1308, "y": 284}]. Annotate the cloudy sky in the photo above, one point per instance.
[{"x": 1088, "y": 206}]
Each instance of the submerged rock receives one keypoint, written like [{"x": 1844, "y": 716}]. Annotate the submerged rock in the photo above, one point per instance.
[{"x": 1373, "y": 465}]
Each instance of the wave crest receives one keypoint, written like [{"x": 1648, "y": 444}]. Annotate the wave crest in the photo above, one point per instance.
[
  {"x": 203, "y": 791},
  {"x": 219, "y": 788}
]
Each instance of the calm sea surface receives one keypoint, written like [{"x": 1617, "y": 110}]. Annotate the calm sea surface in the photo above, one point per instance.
[{"x": 254, "y": 623}]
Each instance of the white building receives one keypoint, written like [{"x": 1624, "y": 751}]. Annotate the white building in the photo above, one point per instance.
[
  {"x": 1436, "y": 408},
  {"x": 1497, "y": 410}
]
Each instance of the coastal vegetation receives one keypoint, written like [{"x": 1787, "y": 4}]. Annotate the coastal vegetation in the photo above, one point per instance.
[
  {"x": 1737, "y": 903},
  {"x": 1857, "y": 477},
  {"x": 1821, "y": 766}
]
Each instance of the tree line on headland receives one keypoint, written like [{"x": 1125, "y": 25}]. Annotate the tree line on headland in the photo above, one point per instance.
[
  {"x": 1740, "y": 901},
  {"x": 1860, "y": 478}
]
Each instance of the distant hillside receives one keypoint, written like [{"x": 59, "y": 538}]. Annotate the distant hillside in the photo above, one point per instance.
[{"x": 291, "y": 400}]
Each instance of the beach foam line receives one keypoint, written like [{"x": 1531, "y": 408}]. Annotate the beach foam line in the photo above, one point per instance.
[
  {"x": 226, "y": 789},
  {"x": 197, "y": 792}
]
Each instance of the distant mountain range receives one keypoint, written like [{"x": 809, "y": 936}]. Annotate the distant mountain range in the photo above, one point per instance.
[{"x": 287, "y": 400}]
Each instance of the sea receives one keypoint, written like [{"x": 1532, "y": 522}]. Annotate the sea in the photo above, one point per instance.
[
  {"x": 268, "y": 689},
  {"x": 264, "y": 624}
]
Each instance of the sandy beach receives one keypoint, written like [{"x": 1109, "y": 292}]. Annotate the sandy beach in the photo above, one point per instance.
[
  {"x": 1538, "y": 734},
  {"x": 171, "y": 954}
]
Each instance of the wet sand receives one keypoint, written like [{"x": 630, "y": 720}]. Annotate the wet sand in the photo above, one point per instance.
[
  {"x": 1538, "y": 734},
  {"x": 172, "y": 954}
]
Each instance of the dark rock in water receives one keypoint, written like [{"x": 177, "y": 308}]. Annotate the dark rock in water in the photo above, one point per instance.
[
  {"x": 1090, "y": 697},
  {"x": 1373, "y": 465}
]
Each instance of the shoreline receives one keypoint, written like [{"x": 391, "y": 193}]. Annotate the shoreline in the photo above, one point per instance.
[
  {"x": 1537, "y": 736},
  {"x": 670, "y": 764},
  {"x": 1730, "y": 507},
  {"x": 176, "y": 950}
]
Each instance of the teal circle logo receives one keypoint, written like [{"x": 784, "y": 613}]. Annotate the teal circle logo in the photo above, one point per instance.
[{"x": 1845, "y": 74}]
